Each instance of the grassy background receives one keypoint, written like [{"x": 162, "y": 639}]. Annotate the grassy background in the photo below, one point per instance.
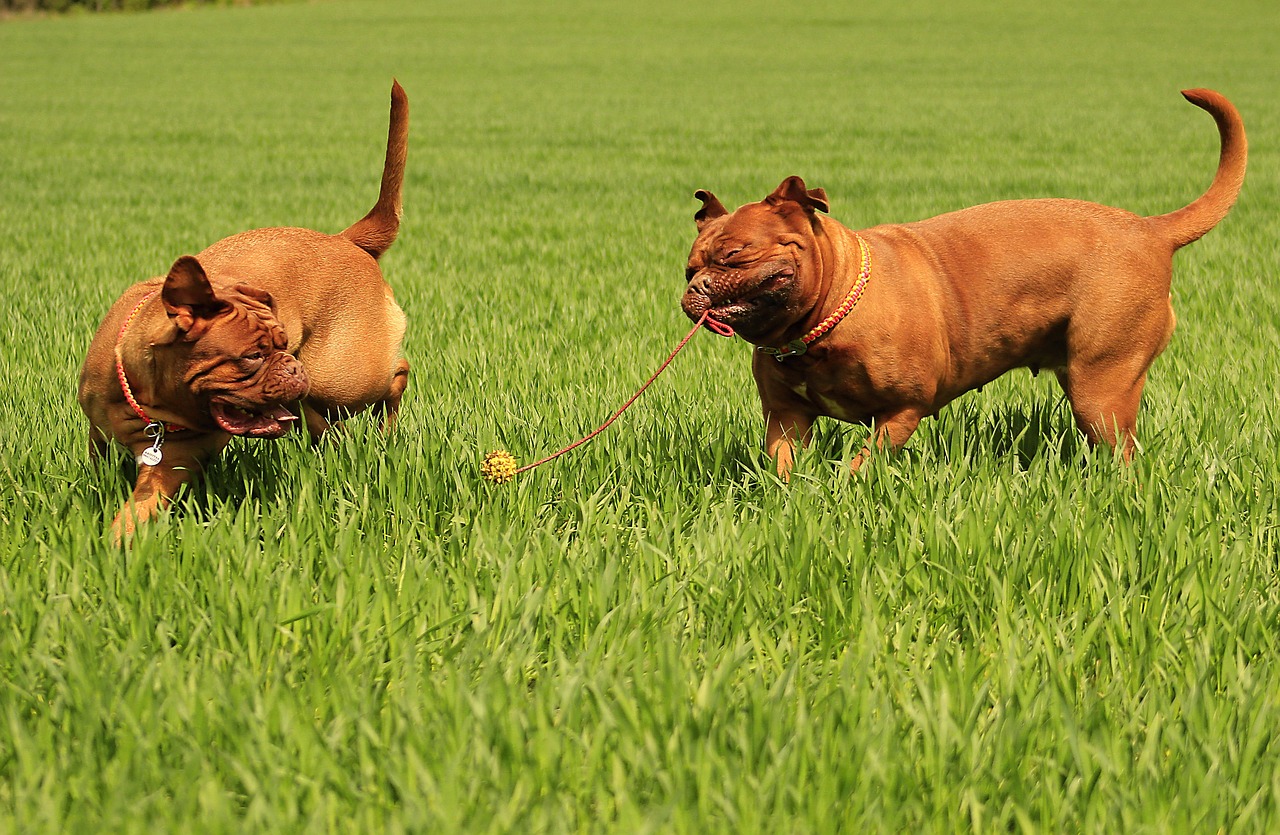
[{"x": 653, "y": 634}]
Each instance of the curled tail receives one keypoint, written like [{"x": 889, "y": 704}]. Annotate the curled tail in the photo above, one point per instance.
[
  {"x": 1191, "y": 222},
  {"x": 376, "y": 231}
]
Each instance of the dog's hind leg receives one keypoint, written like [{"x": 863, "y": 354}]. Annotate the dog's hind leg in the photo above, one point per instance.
[
  {"x": 389, "y": 406},
  {"x": 1104, "y": 378},
  {"x": 1105, "y": 401}
]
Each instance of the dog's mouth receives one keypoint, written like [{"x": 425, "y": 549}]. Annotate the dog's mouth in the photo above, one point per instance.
[
  {"x": 768, "y": 294},
  {"x": 268, "y": 422},
  {"x": 733, "y": 311}
]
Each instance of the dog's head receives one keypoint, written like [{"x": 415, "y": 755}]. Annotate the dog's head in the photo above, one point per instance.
[
  {"x": 227, "y": 353},
  {"x": 752, "y": 268}
]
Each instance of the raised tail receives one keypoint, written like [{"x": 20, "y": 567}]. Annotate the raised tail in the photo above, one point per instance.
[
  {"x": 1191, "y": 222},
  {"x": 376, "y": 231}
]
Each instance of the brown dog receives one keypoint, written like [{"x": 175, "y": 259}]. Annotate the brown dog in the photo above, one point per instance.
[
  {"x": 243, "y": 337},
  {"x": 947, "y": 304}
]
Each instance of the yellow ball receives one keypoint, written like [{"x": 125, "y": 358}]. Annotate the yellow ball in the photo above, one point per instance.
[{"x": 498, "y": 466}]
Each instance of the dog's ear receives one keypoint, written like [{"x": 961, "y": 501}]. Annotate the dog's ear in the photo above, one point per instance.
[
  {"x": 793, "y": 189},
  {"x": 711, "y": 208},
  {"x": 188, "y": 296}
]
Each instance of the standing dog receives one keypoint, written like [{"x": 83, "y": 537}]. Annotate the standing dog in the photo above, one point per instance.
[
  {"x": 242, "y": 338},
  {"x": 947, "y": 304}
]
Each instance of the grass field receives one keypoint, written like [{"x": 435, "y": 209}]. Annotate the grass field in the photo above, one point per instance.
[{"x": 993, "y": 631}]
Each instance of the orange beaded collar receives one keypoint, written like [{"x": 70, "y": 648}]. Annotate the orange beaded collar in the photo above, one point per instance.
[{"x": 796, "y": 347}]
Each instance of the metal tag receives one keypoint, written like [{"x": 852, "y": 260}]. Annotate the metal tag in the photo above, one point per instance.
[
  {"x": 152, "y": 454},
  {"x": 794, "y": 348}
]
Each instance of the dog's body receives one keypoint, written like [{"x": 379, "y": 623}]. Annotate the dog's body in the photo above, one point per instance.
[
  {"x": 952, "y": 302},
  {"x": 242, "y": 337}
]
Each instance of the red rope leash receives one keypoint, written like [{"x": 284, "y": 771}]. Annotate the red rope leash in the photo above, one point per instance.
[{"x": 499, "y": 466}]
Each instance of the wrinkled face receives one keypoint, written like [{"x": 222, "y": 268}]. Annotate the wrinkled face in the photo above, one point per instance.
[
  {"x": 230, "y": 352},
  {"x": 240, "y": 367},
  {"x": 748, "y": 268}
]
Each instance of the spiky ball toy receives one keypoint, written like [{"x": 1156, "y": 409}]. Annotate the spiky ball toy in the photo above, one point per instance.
[{"x": 498, "y": 467}]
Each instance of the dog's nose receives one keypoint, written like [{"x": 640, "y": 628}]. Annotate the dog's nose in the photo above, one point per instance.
[
  {"x": 701, "y": 284},
  {"x": 291, "y": 369}
]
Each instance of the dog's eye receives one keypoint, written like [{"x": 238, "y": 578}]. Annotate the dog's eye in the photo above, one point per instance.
[
  {"x": 255, "y": 356},
  {"x": 731, "y": 259}
]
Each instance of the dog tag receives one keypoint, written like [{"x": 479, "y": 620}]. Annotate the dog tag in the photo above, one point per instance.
[{"x": 152, "y": 454}]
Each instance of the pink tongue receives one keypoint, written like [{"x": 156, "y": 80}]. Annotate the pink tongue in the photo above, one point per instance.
[
  {"x": 273, "y": 422},
  {"x": 283, "y": 419}
]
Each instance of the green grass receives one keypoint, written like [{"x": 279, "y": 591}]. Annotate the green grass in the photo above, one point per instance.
[{"x": 652, "y": 635}]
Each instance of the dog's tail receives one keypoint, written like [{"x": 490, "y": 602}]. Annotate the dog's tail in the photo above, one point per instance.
[
  {"x": 1191, "y": 222},
  {"x": 376, "y": 231}
]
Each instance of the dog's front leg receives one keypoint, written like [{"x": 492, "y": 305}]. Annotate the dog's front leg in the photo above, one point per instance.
[
  {"x": 894, "y": 428},
  {"x": 783, "y": 432},
  {"x": 98, "y": 445},
  {"x": 156, "y": 485},
  {"x": 317, "y": 424}
]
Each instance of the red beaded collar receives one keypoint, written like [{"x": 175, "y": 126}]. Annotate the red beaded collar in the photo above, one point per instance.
[{"x": 124, "y": 381}]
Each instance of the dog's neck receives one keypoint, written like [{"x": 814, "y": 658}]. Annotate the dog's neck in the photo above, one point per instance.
[
  {"x": 830, "y": 263},
  {"x": 136, "y": 344},
  {"x": 832, "y": 259}
]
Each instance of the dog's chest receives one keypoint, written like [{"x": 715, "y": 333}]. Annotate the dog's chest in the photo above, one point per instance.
[{"x": 845, "y": 396}]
